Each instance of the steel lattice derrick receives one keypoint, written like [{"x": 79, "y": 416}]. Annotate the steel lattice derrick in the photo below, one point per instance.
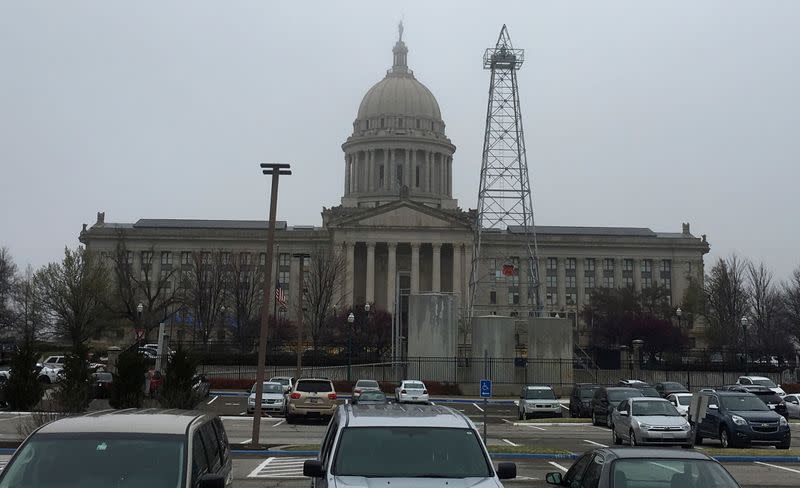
[{"x": 505, "y": 201}]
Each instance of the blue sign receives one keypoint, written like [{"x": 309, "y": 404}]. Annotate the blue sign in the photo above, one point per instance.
[{"x": 486, "y": 388}]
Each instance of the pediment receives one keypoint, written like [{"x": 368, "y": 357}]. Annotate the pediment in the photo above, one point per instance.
[{"x": 404, "y": 217}]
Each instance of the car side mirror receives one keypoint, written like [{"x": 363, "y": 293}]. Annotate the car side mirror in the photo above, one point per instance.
[
  {"x": 713, "y": 407},
  {"x": 506, "y": 471},
  {"x": 553, "y": 478},
  {"x": 313, "y": 469},
  {"x": 211, "y": 480}
]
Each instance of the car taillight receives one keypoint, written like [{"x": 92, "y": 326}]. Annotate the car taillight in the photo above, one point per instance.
[
  {"x": 295, "y": 396},
  {"x": 424, "y": 392},
  {"x": 358, "y": 390},
  {"x": 403, "y": 392},
  {"x": 331, "y": 396}
]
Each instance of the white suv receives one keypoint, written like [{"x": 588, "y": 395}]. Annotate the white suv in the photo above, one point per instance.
[{"x": 761, "y": 381}]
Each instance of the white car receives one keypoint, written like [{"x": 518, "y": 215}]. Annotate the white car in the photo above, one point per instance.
[
  {"x": 54, "y": 361},
  {"x": 681, "y": 402},
  {"x": 411, "y": 391},
  {"x": 761, "y": 381},
  {"x": 538, "y": 400},
  {"x": 286, "y": 381},
  {"x": 792, "y": 402},
  {"x": 273, "y": 399}
]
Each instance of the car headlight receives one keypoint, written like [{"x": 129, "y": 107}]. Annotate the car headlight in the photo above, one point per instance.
[
  {"x": 783, "y": 422},
  {"x": 686, "y": 426},
  {"x": 279, "y": 400},
  {"x": 644, "y": 426},
  {"x": 738, "y": 420}
]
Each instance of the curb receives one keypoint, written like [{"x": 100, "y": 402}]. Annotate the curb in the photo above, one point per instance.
[
  {"x": 553, "y": 424},
  {"x": 223, "y": 393}
]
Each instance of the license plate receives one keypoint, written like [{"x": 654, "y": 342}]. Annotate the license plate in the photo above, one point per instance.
[
  {"x": 313, "y": 400},
  {"x": 414, "y": 398}
]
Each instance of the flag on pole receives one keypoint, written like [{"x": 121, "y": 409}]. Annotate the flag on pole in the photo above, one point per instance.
[{"x": 280, "y": 295}]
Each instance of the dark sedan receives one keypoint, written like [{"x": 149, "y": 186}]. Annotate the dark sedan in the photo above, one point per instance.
[
  {"x": 629, "y": 467},
  {"x": 667, "y": 388}
]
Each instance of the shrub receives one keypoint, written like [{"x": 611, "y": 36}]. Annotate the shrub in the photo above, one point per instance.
[
  {"x": 176, "y": 391},
  {"x": 74, "y": 393},
  {"x": 127, "y": 389},
  {"x": 23, "y": 390}
]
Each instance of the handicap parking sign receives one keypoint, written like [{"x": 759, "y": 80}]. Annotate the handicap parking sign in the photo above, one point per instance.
[{"x": 486, "y": 388}]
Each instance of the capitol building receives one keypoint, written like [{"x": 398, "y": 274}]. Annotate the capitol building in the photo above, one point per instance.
[{"x": 402, "y": 232}]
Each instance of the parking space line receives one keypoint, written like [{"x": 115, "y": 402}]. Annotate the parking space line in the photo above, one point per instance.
[
  {"x": 246, "y": 442},
  {"x": 476, "y": 406},
  {"x": 562, "y": 468},
  {"x": 212, "y": 400},
  {"x": 594, "y": 443},
  {"x": 507, "y": 421},
  {"x": 779, "y": 467},
  {"x": 535, "y": 427},
  {"x": 433, "y": 403},
  {"x": 279, "y": 423},
  {"x": 258, "y": 469},
  {"x": 510, "y": 443}
]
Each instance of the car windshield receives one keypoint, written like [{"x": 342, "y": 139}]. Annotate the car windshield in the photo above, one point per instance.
[
  {"x": 314, "y": 386},
  {"x": 105, "y": 460},
  {"x": 649, "y": 391},
  {"x": 269, "y": 388},
  {"x": 367, "y": 384},
  {"x": 670, "y": 472},
  {"x": 586, "y": 393},
  {"x": 103, "y": 376},
  {"x": 743, "y": 403},
  {"x": 413, "y": 385},
  {"x": 372, "y": 396},
  {"x": 765, "y": 382},
  {"x": 410, "y": 452},
  {"x": 683, "y": 399},
  {"x": 769, "y": 397},
  {"x": 539, "y": 394},
  {"x": 282, "y": 381},
  {"x": 617, "y": 396},
  {"x": 653, "y": 407},
  {"x": 673, "y": 386}
]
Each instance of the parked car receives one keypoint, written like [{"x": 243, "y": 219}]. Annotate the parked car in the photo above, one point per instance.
[
  {"x": 102, "y": 384},
  {"x": 148, "y": 353},
  {"x": 643, "y": 421},
  {"x": 580, "y": 400},
  {"x": 538, "y": 400},
  {"x": 739, "y": 419},
  {"x": 286, "y": 381},
  {"x": 761, "y": 381},
  {"x": 632, "y": 383},
  {"x": 364, "y": 385},
  {"x": 201, "y": 386},
  {"x": 644, "y": 388},
  {"x": 142, "y": 448},
  {"x": 411, "y": 391},
  {"x": 371, "y": 397},
  {"x": 606, "y": 399},
  {"x": 792, "y": 405},
  {"x": 769, "y": 397},
  {"x": 311, "y": 397},
  {"x": 54, "y": 361},
  {"x": 434, "y": 447},
  {"x": 49, "y": 374},
  {"x": 667, "y": 388},
  {"x": 681, "y": 402},
  {"x": 272, "y": 398},
  {"x": 633, "y": 467}
]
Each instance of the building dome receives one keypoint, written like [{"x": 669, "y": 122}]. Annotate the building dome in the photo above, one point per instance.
[{"x": 399, "y": 94}]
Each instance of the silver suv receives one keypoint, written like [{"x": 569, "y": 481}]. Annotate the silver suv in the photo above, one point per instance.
[{"x": 429, "y": 446}]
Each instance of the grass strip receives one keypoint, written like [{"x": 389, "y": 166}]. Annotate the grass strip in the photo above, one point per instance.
[{"x": 715, "y": 451}]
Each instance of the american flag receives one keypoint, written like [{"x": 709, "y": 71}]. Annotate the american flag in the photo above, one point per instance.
[{"x": 280, "y": 295}]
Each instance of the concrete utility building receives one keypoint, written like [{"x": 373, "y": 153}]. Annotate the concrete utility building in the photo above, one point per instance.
[{"x": 399, "y": 224}]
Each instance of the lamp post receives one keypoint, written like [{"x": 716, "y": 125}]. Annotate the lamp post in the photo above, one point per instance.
[
  {"x": 744, "y": 335},
  {"x": 637, "y": 356},
  {"x": 139, "y": 310},
  {"x": 350, "y": 320}
]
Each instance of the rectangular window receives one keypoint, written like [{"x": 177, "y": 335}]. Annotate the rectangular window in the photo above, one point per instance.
[
  {"x": 166, "y": 257},
  {"x": 492, "y": 297},
  {"x": 383, "y": 123},
  {"x": 551, "y": 298},
  {"x": 588, "y": 266},
  {"x": 570, "y": 264},
  {"x": 245, "y": 258},
  {"x": 627, "y": 281},
  {"x": 262, "y": 259},
  {"x": 627, "y": 265},
  {"x": 206, "y": 257},
  {"x": 226, "y": 258},
  {"x": 647, "y": 266},
  {"x": 513, "y": 295},
  {"x": 570, "y": 281},
  {"x": 283, "y": 279},
  {"x": 552, "y": 281},
  {"x": 647, "y": 273},
  {"x": 608, "y": 264},
  {"x": 572, "y": 298},
  {"x": 186, "y": 257},
  {"x": 494, "y": 273},
  {"x": 552, "y": 264},
  {"x": 147, "y": 258},
  {"x": 284, "y": 259},
  {"x": 608, "y": 282},
  {"x": 588, "y": 284}
]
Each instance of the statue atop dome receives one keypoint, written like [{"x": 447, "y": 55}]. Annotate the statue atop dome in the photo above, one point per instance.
[{"x": 400, "y": 30}]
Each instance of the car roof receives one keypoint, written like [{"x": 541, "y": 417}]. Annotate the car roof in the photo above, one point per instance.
[
  {"x": 395, "y": 415},
  {"x": 681, "y": 393},
  {"x": 615, "y": 388},
  {"x": 311, "y": 378},
  {"x": 132, "y": 421},
  {"x": 415, "y": 381},
  {"x": 284, "y": 378},
  {"x": 755, "y": 377},
  {"x": 729, "y": 393},
  {"x": 648, "y": 399},
  {"x": 538, "y": 387},
  {"x": 654, "y": 452}
]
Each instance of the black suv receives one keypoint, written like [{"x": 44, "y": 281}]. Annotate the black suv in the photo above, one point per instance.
[
  {"x": 769, "y": 397},
  {"x": 739, "y": 419},
  {"x": 667, "y": 388},
  {"x": 580, "y": 401},
  {"x": 606, "y": 399}
]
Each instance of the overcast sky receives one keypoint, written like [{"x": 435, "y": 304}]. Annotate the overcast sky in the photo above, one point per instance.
[{"x": 641, "y": 114}]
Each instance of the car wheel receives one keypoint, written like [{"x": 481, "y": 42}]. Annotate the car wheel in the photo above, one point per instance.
[
  {"x": 632, "y": 436},
  {"x": 608, "y": 421},
  {"x": 698, "y": 439},
  {"x": 725, "y": 438},
  {"x": 594, "y": 419},
  {"x": 615, "y": 438}
]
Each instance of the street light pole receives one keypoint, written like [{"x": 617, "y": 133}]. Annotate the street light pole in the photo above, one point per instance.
[
  {"x": 350, "y": 320},
  {"x": 300, "y": 308},
  {"x": 139, "y": 310},
  {"x": 275, "y": 170},
  {"x": 744, "y": 334}
]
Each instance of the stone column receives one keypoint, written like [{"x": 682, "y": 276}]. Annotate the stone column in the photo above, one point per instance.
[
  {"x": 637, "y": 274},
  {"x": 436, "y": 281},
  {"x": 414, "y": 168},
  {"x": 442, "y": 184},
  {"x": 390, "y": 162},
  {"x": 347, "y": 160},
  {"x": 370, "y": 272},
  {"x": 415, "y": 267},
  {"x": 349, "y": 287},
  {"x": 408, "y": 176},
  {"x": 391, "y": 271},
  {"x": 428, "y": 172},
  {"x": 457, "y": 262},
  {"x": 370, "y": 172}
]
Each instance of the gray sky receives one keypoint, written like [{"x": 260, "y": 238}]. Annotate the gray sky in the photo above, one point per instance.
[{"x": 636, "y": 113}]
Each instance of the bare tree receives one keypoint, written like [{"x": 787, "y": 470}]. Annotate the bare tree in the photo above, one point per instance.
[
  {"x": 321, "y": 292},
  {"x": 727, "y": 301},
  {"x": 791, "y": 299},
  {"x": 244, "y": 293},
  {"x": 205, "y": 291},
  {"x": 8, "y": 273},
  {"x": 158, "y": 294},
  {"x": 73, "y": 293},
  {"x": 769, "y": 331},
  {"x": 30, "y": 320}
]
